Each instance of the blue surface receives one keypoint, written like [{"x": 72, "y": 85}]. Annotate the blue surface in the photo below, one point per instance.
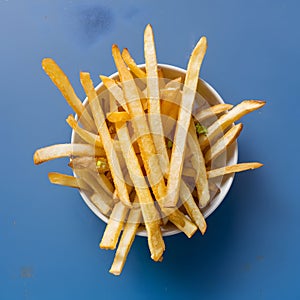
[{"x": 49, "y": 238}]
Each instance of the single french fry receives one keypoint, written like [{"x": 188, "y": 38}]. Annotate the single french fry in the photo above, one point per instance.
[
  {"x": 149, "y": 212},
  {"x": 62, "y": 82},
  {"x": 154, "y": 115},
  {"x": 233, "y": 169},
  {"x": 132, "y": 64},
  {"x": 183, "y": 122},
  {"x": 67, "y": 180},
  {"x": 87, "y": 136},
  {"x": 191, "y": 207},
  {"x": 222, "y": 143},
  {"x": 146, "y": 145},
  {"x": 118, "y": 116},
  {"x": 115, "y": 90},
  {"x": 63, "y": 150},
  {"x": 198, "y": 163},
  {"x": 212, "y": 111},
  {"x": 108, "y": 146},
  {"x": 127, "y": 238},
  {"x": 114, "y": 226},
  {"x": 226, "y": 120}
]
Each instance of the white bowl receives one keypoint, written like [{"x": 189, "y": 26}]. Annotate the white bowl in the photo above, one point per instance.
[{"x": 212, "y": 97}]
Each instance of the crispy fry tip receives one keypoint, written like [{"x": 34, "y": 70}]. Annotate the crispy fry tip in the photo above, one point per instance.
[{"x": 36, "y": 158}]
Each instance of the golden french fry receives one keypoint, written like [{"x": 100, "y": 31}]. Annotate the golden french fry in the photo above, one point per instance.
[
  {"x": 108, "y": 146},
  {"x": 198, "y": 163},
  {"x": 233, "y": 169},
  {"x": 118, "y": 116},
  {"x": 127, "y": 238},
  {"x": 67, "y": 180},
  {"x": 62, "y": 82},
  {"x": 222, "y": 143},
  {"x": 146, "y": 145},
  {"x": 191, "y": 207},
  {"x": 149, "y": 212},
  {"x": 132, "y": 64},
  {"x": 115, "y": 90},
  {"x": 226, "y": 120},
  {"x": 87, "y": 136},
  {"x": 114, "y": 226},
  {"x": 183, "y": 122},
  {"x": 154, "y": 115},
  {"x": 63, "y": 150},
  {"x": 212, "y": 111}
]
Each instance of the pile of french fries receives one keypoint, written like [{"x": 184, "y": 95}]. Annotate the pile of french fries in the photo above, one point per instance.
[{"x": 141, "y": 151}]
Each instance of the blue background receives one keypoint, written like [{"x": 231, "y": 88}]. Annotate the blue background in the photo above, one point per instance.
[{"x": 49, "y": 238}]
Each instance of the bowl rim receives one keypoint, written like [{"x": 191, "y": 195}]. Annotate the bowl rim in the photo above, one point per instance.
[{"x": 223, "y": 191}]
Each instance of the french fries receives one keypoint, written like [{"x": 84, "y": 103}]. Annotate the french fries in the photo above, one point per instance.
[
  {"x": 150, "y": 214},
  {"x": 154, "y": 115},
  {"x": 132, "y": 64},
  {"x": 145, "y": 152},
  {"x": 183, "y": 122},
  {"x": 233, "y": 169},
  {"x": 226, "y": 120},
  {"x": 128, "y": 235},
  {"x": 200, "y": 180},
  {"x": 62, "y": 82},
  {"x": 220, "y": 146},
  {"x": 115, "y": 90},
  {"x": 87, "y": 136},
  {"x": 101, "y": 125},
  {"x": 67, "y": 180},
  {"x": 65, "y": 150},
  {"x": 114, "y": 226}
]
